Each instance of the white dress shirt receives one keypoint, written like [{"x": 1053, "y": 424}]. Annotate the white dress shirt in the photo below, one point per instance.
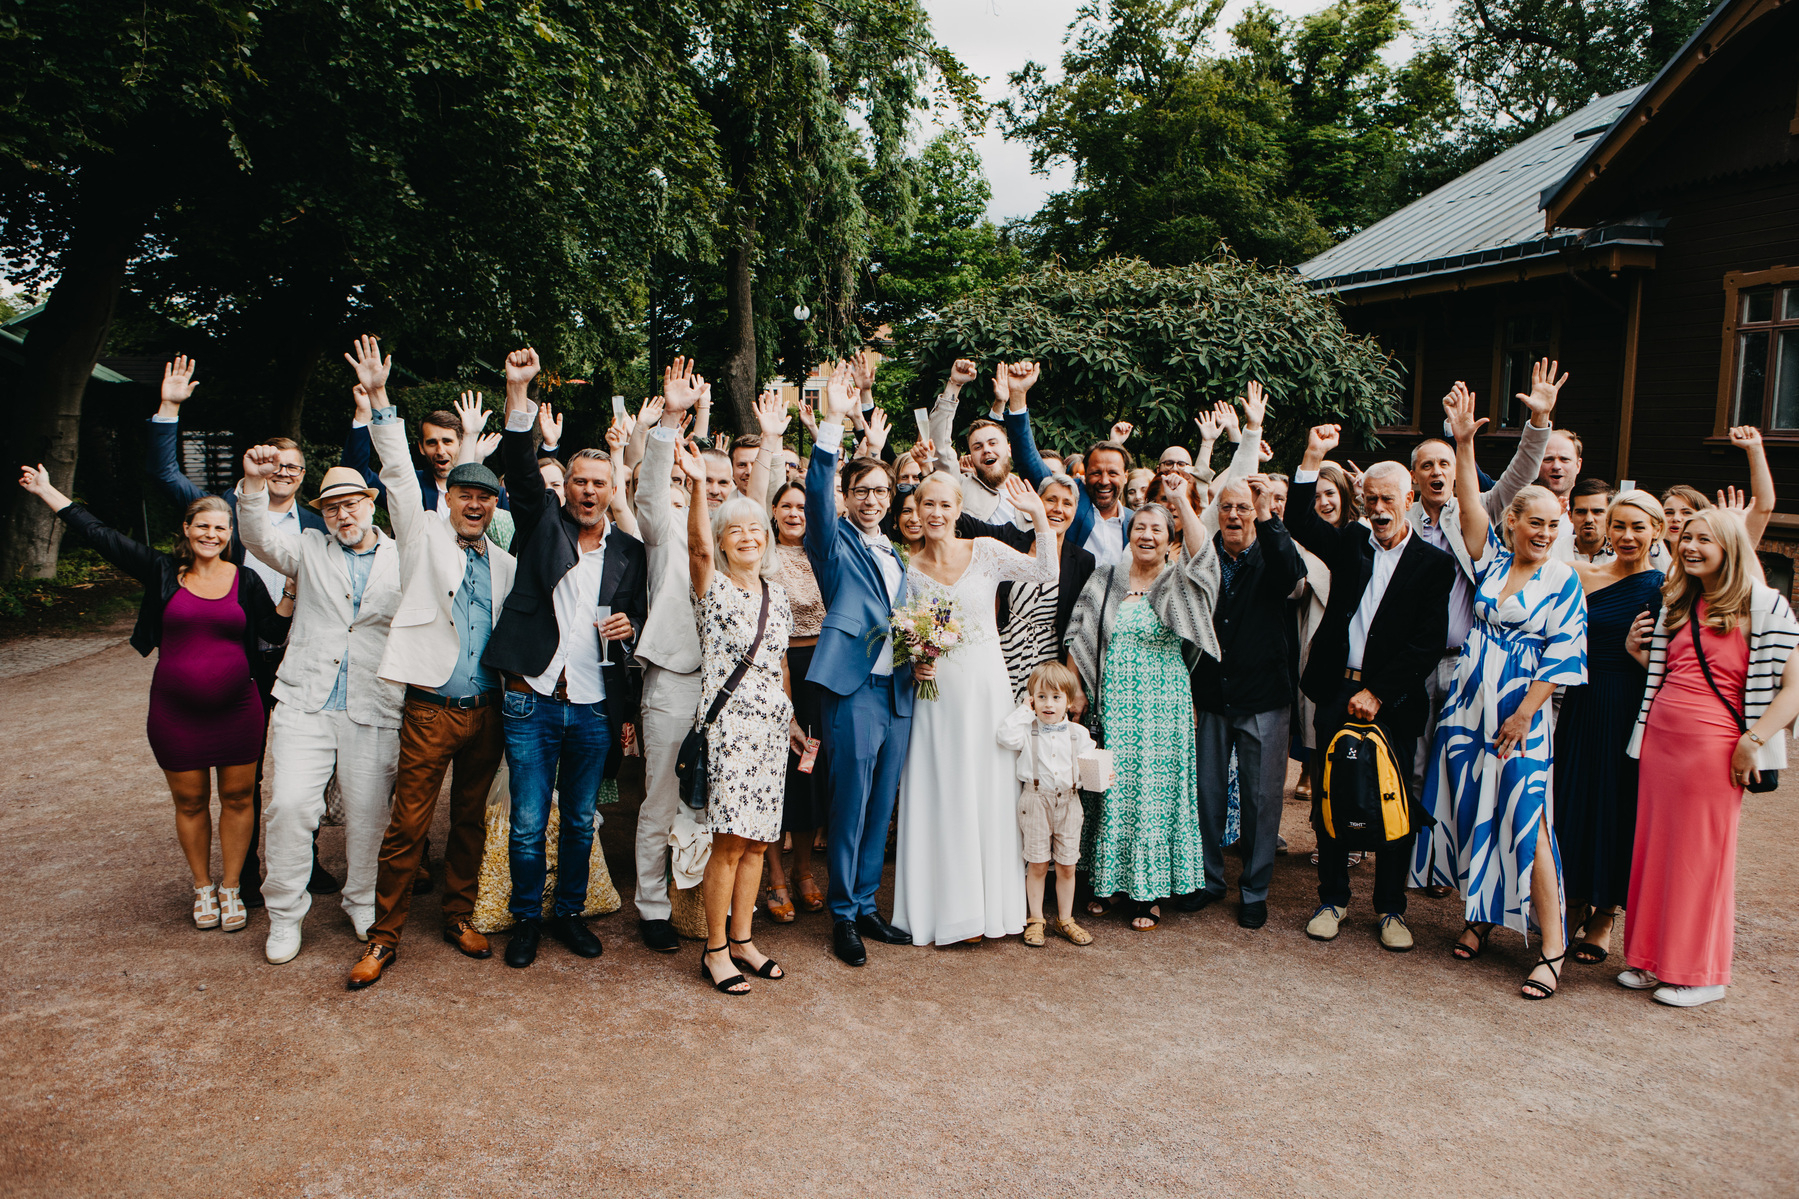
[
  {"x": 1106, "y": 541},
  {"x": 1385, "y": 561},
  {"x": 577, "y": 596}
]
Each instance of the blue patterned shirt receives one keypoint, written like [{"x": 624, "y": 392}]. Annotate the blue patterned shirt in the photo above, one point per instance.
[{"x": 473, "y": 614}]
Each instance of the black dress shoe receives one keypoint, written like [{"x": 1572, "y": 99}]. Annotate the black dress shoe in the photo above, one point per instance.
[
  {"x": 252, "y": 897},
  {"x": 322, "y": 882},
  {"x": 876, "y": 929},
  {"x": 659, "y": 935},
  {"x": 846, "y": 943},
  {"x": 1195, "y": 901},
  {"x": 573, "y": 932},
  {"x": 421, "y": 882},
  {"x": 521, "y": 951},
  {"x": 1252, "y": 915}
]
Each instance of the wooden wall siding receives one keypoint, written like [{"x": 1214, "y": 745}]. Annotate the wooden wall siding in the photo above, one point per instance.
[{"x": 1741, "y": 224}]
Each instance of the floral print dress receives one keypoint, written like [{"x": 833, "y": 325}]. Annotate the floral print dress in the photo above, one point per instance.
[{"x": 747, "y": 745}]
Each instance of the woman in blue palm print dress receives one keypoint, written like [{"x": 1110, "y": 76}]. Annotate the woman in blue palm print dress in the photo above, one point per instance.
[{"x": 1492, "y": 759}]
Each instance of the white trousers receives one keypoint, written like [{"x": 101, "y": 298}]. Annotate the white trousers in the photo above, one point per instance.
[
  {"x": 305, "y": 750},
  {"x": 670, "y": 703}
]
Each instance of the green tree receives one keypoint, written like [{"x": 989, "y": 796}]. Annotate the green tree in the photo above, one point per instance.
[
  {"x": 1175, "y": 153},
  {"x": 1155, "y": 345}
]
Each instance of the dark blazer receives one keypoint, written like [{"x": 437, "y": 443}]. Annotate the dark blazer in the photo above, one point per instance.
[
  {"x": 1251, "y": 620},
  {"x": 1405, "y": 640},
  {"x": 359, "y": 454},
  {"x": 547, "y": 546},
  {"x": 165, "y": 471},
  {"x": 161, "y": 579}
]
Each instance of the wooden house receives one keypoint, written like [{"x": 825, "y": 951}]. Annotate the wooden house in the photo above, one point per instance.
[{"x": 1650, "y": 242}]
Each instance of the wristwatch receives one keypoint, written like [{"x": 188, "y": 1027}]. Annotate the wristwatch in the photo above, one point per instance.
[{"x": 1750, "y": 733}]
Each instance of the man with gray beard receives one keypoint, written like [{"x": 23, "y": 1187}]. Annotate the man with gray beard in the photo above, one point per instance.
[{"x": 333, "y": 714}]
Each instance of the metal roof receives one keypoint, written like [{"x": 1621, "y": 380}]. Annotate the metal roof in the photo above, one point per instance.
[
  {"x": 12, "y": 346},
  {"x": 1490, "y": 213}
]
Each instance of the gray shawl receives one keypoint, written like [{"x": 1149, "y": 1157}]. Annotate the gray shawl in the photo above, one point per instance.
[{"x": 1182, "y": 599}]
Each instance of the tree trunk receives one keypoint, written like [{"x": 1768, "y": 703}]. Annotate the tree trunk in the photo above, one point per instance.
[
  {"x": 300, "y": 364},
  {"x": 740, "y": 326},
  {"x": 60, "y": 352}
]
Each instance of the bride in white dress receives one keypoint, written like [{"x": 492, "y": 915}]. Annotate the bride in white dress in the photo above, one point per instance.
[{"x": 960, "y": 874}]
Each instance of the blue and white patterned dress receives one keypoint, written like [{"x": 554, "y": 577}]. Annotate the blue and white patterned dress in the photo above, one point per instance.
[{"x": 1488, "y": 811}]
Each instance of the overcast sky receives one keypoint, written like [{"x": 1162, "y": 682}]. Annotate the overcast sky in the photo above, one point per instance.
[{"x": 995, "y": 37}]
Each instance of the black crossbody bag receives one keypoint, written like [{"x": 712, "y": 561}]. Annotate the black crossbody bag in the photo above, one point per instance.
[
  {"x": 690, "y": 763},
  {"x": 1766, "y": 780}
]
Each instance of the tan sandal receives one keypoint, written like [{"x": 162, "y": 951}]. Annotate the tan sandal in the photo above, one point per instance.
[
  {"x": 781, "y": 911},
  {"x": 1065, "y": 926},
  {"x": 1033, "y": 933},
  {"x": 811, "y": 898}
]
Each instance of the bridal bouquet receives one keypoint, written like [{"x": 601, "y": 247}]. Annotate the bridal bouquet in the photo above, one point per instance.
[{"x": 925, "y": 631}]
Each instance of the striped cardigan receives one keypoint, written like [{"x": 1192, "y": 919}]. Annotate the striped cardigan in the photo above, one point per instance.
[{"x": 1773, "y": 633}]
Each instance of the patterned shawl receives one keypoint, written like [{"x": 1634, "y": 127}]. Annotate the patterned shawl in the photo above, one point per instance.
[{"x": 1182, "y": 598}]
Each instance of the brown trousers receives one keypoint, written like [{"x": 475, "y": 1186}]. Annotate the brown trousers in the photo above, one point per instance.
[{"x": 432, "y": 741}]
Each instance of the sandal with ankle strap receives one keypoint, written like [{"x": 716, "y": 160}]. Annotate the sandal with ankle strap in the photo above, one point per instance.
[
  {"x": 1033, "y": 932},
  {"x": 782, "y": 911},
  {"x": 811, "y": 898},
  {"x": 1482, "y": 929},
  {"x": 1144, "y": 912},
  {"x": 769, "y": 969},
  {"x": 728, "y": 985},
  {"x": 232, "y": 913},
  {"x": 1591, "y": 953},
  {"x": 206, "y": 906},
  {"x": 1542, "y": 990}
]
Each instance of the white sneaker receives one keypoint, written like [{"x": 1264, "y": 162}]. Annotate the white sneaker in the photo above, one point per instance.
[
  {"x": 1687, "y": 996},
  {"x": 1638, "y": 980},
  {"x": 284, "y": 942},
  {"x": 361, "y": 925}
]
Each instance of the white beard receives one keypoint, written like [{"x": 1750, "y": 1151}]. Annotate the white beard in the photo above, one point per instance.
[{"x": 352, "y": 540}]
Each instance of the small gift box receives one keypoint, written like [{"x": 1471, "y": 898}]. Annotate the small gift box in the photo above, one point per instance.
[{"x": 1095, "y": 770}]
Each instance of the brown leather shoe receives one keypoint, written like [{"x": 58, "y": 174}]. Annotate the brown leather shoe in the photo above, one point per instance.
[
  {"x": 370, "y": 966},
  {"x": 463, "y": 936}
]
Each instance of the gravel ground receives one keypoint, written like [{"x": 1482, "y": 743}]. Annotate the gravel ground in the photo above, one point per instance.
[{"x": 142, "y": 1057}]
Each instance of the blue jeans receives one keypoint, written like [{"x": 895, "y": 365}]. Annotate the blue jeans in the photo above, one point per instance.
[{"x": 552, "y": 744}]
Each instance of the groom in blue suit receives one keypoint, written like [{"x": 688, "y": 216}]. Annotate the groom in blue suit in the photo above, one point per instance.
[{"x": 868, "y": 701}]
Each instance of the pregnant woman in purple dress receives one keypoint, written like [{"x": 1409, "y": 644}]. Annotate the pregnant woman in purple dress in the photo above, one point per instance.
[{"x": 205, "y": 712}]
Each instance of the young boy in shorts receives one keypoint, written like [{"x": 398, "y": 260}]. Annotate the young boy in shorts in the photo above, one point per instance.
[{"x": 1049, "y": 806}]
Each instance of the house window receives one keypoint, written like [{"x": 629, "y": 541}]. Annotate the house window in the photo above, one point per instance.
[
  {"x": 1526, "y": 337},
  {"x": 1404, "y": 349},
  {"x": 1766, "y": 387},
  {"x": 210, "y": 459}
]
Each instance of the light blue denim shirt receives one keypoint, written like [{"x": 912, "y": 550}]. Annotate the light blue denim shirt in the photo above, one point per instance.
[
  {"x": 473, "y": 613},
  {"x": 360, "y": 564}
]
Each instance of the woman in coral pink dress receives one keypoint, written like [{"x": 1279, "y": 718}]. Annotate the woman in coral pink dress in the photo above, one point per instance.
[{"x": 1700, "y": 741}]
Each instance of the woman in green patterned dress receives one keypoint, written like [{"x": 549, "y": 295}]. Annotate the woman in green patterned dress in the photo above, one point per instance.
[{"x": 1138, "y": 628}]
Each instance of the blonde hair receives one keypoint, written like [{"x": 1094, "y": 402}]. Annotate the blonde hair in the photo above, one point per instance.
[
  {"x": 1643, "y": 502},
  {"x": 945, "y": 478},
  {"x": 1728, "y": 604},
  {"x": 1054, "y": 675},
  {"x": 740, "y": 508},
  {"x": 1527, "y": 495}
]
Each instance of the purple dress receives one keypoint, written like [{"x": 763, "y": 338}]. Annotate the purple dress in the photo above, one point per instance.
[{"x": 205, "y": 710}]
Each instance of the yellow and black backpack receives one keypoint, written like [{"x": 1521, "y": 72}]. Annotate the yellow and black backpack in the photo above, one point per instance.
[{"x": 1365, "y": 803}]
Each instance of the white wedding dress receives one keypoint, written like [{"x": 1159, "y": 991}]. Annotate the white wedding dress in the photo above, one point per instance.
[{"x": 961, "y": 866}]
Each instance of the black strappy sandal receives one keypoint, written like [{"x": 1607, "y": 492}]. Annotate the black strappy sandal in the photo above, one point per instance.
[
  {"x": 727, "y": 984},
  {"x": 1591, "y": 953},
  {"x": 1542, "y": 991},
  {"x": 1482, "y": 930},
  {"x": 1143, "y": 913},
  {"x": 770, "y": 969}
]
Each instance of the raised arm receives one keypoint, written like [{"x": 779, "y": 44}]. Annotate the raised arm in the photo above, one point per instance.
[
  {"x": 943, "y": 413},
  {"x": 821, "y": 475},
  {"x": 1040, "y": 567},
  {"x": 358, "y": 449},
  {"x": 648, "y": 418},
  {"x": 473, "y": 418},
  {"x": 531, "y": 500},
  {"x": 771, "y": 415},
  {"x": 1748, "y": 438},
  {"x": 133, "y": 557},
  {"x": 160, "y": 458},
  {"x": 699, "y": 519},
  {"x": 1178, "y": 488},
  {"x": 1463, "y": 425},
  {"x": 1533, "y": 438},
  {"x": 1308, "y": 528},
  {"x": 616, "y": 436},
  {"x": 277, "y": 547},
  {"x": 1246, "y": 459}
]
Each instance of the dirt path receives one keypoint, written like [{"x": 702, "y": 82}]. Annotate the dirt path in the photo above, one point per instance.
[{"x": 142, "y": 1057}]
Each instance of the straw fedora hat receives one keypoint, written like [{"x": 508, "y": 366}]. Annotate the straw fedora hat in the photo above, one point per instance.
[{"x": 340, "y": 481}]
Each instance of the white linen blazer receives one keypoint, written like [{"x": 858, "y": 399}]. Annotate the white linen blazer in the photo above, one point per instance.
[
  {"x": 424, "y": 645},
  {"x": 326, "y": 625},
  {"x": 671, "y": 633}
]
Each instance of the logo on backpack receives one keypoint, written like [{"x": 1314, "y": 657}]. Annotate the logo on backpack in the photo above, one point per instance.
[{"x": 1365, "y": 803}]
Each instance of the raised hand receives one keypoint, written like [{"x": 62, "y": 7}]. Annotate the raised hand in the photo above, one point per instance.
[
  {"x": 680, "y": 386},
  {"x": 1255, "y": 406},
  {"x": 371, "y": 369},
  {"x": 1263, "y": 492},
  {"x": 1002, "y": 386},
  {"x": 1209, "y": 427},
  {"x": 877, "y": 432},
  {"x": 1121, "y": 431},
  {"x": 486, "y": 444},
  {"x": 772, "y": 415},
  {"x": 687, "y": 458},
  {"x": 617, "y": 435},
  {"x": 1264, "y": 452},
  {"x": 961, "y": 373},
  {"x": 862, "y": 365},
  {"x": 808, "y": 418},
  {"x": 469, "y": 412},
  {"x": 722, "y": 442},
  {"x": 1458, "y": 407},
  {"x": 1323, "y": 439},
  {"x": 1544, "y": 388},
  {"x": 1744, "y": 437},
  {"x": 650, "y": 414},
  {"x": 365, "y": 408},
  {"x": 1178, "y": 488},
  {"x": 840, "y": 393},
  {"x": 1024, "y": 375},
  {"x": 1227, "y": 418},
  {"x": 924, "y": 453},
  {"x": 260, "y": 461},
  {"x": 549, "y": 424},
  {"x": 1024, "y": 497},
  {"x": 521, "y": 367},
  {"x": 1731, "y": 499},
  {"x": 178, "y": 381}
]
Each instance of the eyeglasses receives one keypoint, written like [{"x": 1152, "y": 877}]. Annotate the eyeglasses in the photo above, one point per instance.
[
  {"x": 1228, "y": 509},
  {"x": 862, "y": 493},
  {"x": 288, "y": 472}
]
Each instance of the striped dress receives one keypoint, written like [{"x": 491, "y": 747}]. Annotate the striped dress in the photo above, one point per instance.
[{"x": 1489, "y": 811}]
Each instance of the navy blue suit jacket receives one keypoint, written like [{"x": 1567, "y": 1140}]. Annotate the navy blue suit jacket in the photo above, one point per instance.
[
  {"x": 165, "y": 471},
  {"x": 857, "y": 613},
  {"x": 1030, "y": 464}
]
